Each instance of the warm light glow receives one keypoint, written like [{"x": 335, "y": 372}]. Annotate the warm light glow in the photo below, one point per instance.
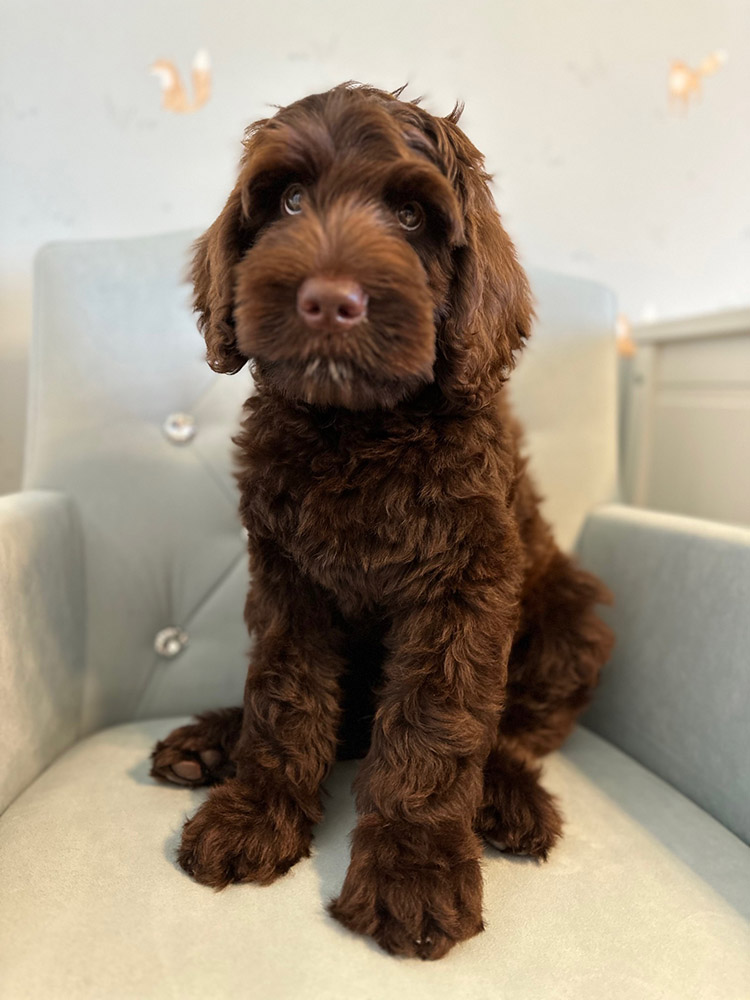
[
  {"x": 623, "y": 332},
  {"x": 684, "y": 83},
  {"x": 174, "y": 95}
]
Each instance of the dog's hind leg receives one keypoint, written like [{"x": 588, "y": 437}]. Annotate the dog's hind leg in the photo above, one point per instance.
[
  {"x": 557, "y": 655},
  {"x": 558, "y": 652},
  {"x": 201, "y": 752}
]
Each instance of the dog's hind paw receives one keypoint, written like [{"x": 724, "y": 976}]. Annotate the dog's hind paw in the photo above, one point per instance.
[
  {"x": 518, "y": 816},
  {"x": 199, "y": 753}
]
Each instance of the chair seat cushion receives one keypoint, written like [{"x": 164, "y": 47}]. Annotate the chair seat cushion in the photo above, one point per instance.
[{"x": 646, "y": 896}]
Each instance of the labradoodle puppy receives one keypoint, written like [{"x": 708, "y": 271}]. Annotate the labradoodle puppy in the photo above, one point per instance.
[{"x": 408, "y": 601}]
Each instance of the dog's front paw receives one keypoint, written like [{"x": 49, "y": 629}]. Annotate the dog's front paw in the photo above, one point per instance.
[
  {"x": 234, "y": 839},
  {"x": 415, "y": 896}
]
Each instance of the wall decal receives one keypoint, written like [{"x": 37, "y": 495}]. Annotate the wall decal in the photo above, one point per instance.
[
  {"x": 174, "y": 95},
  {"x": 684, "y": 83}
]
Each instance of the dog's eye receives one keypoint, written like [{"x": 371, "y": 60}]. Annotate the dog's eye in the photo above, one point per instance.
[
  {"x": 291, "y": 200},
  {"x": 410, "y": 216}
]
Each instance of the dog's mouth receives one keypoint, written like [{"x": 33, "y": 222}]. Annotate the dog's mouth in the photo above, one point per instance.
[
  {"x": 334, "y": 381},
  {"x": 339, "y": 370}
]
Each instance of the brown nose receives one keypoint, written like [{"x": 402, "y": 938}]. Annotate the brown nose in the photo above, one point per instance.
[{"x": 331, "y": 302}]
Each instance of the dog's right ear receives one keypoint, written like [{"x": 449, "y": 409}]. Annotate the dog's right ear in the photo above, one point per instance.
[{"x": 215, "y": 255}]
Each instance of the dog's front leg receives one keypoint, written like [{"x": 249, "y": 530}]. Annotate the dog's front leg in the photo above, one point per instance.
[
  {"x": 414, "y": 883},
  {"x": 255, "y": 826}
]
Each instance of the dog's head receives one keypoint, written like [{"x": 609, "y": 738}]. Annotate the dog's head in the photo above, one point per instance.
[{"x": 361, "y": 256}]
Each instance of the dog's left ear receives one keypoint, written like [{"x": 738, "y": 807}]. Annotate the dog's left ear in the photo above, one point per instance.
[
  {"x": 215, "y": 255},
  {"x": 490, "y": 311}
]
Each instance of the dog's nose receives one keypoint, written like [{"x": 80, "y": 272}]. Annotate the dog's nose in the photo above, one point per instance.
[{"x": 331, "y": 302}]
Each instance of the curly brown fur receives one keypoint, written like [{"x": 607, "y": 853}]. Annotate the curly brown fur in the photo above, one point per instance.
[{"x": 408, "y": 601}]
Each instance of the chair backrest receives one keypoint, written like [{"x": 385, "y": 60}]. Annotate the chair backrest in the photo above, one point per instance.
[{"x": 127, "y": 418}]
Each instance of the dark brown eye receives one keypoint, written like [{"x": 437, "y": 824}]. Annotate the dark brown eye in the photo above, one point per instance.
[
  {"x": 291, "y": 200},
  {"x": 410, "y": 216}
]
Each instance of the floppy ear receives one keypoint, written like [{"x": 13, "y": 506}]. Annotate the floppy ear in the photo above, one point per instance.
[
  {"x": 489, "y": 312},
  {"x": 215, "y": 255}
]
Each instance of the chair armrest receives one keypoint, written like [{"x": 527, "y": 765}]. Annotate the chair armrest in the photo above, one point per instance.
[
  {"x": 41, "y": 634},
  {"x": 676, "y": 693}
]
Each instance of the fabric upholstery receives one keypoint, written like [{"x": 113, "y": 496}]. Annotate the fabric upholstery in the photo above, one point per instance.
[
  {"x": 676, "y": 694},
  {"x": 564, "y": 391},
  {"x": 94, "y": 905},
  {"x": 41, "y": 634},
  {"x": 115, "y": 353}
]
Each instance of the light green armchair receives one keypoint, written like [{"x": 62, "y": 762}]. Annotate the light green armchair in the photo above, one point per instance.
[{"x": 122, "y": 582}]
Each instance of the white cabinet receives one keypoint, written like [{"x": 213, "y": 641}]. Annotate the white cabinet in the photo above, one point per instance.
[{"x": 687, "y": 434}]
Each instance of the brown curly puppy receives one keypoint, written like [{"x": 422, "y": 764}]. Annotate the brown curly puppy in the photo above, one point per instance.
[{"x": 408, "y": 601}]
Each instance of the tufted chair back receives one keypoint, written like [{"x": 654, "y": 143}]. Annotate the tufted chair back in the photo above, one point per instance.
[{"x": 126, "y": 417}]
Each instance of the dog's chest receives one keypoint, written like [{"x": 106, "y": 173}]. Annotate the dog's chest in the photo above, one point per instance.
[{"x": 356, "y": 520}]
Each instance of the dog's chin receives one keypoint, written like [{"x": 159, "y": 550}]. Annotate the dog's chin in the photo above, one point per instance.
[{"x": 326, "y": 382}]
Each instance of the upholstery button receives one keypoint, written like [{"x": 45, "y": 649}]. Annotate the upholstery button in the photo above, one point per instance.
[
  {"x": 170, "y": 642},
  {"x": 179, "y": 428}
]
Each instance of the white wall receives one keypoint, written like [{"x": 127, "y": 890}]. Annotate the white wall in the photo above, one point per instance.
[{"x": 594, "y": 175}]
